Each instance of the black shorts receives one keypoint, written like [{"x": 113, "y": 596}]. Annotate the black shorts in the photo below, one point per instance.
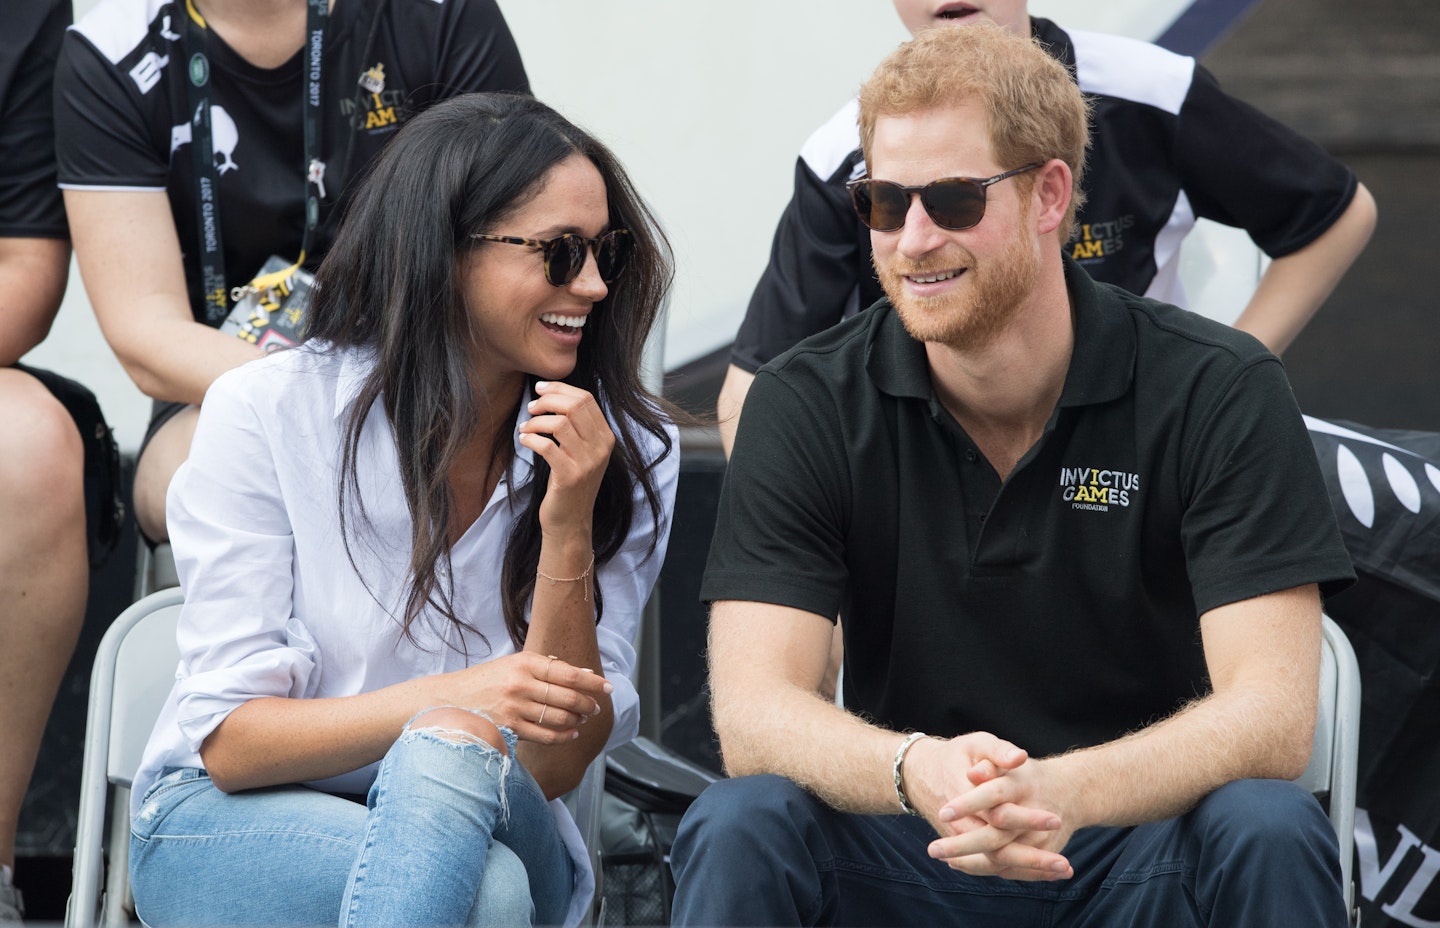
[
  {"x": 104, "y": 501},
  {"x": 161, "y": 412}
]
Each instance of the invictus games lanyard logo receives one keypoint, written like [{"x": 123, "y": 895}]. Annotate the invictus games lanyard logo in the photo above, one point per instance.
[{"x": 1096, "y": 490}]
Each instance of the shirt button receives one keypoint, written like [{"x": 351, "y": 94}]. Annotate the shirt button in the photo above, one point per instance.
[
  {"x": 982, "y": 519},
  {"x": 970, "y": 455}
]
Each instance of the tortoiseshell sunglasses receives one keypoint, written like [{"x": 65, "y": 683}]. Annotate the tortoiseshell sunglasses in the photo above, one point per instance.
[{"x": 565, "y": 254}]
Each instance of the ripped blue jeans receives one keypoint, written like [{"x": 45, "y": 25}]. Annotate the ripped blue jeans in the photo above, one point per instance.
[{"x": 453, "y": 832}]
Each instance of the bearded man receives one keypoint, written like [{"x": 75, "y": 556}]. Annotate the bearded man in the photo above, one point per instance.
[{"x": 1079, "y": 537}]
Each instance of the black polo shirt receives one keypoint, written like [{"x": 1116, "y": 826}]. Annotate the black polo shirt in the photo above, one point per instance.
[{"x": 1059, "y": 609}]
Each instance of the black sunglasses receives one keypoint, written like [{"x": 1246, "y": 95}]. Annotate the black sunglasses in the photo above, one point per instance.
[
  {"x": 565, "y": 255},
  {"x": 954, "y": 203}
]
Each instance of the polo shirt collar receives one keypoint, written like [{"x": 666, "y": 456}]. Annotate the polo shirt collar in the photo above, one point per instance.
[
  {"x": 896, "y": 361},
  {"x": 1102, "y": 363}
]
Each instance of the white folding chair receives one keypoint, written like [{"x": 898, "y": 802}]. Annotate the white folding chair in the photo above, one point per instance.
[
  {"x": 585, "y": 802},
  {"x": 133, "y": 673},
  {"x": 1335, "y": 755}
]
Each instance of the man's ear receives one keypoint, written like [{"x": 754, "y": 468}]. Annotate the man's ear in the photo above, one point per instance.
[{"x": 1051, "y": 192}]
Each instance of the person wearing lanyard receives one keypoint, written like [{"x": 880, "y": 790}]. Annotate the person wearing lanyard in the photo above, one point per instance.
[{"x": 293, "y": 99}]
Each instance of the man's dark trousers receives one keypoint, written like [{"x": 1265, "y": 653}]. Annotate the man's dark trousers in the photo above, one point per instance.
[{"x": 761, "y": 851}]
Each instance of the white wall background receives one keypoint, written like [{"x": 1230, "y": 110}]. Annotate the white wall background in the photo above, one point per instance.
[{"x": 707, "y": 105}]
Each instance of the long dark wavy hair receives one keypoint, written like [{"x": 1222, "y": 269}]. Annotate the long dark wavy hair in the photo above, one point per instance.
[{"x": 390, "y": 284}]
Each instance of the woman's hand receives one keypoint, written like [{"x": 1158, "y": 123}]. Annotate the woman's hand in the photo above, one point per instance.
[
  {"x": 570, "y": 432},
  {"x": 540, "y": 698}
]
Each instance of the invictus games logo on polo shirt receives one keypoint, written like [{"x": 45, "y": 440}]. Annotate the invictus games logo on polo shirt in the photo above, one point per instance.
[{"x": 1096, "y": 490}]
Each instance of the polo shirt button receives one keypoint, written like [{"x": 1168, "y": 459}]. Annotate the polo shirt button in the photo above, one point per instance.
[
  {"x": 982, "y": 518},
  {"x": 970, "y": 455}
]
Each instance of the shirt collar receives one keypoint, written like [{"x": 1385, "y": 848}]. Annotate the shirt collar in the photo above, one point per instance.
[
  {"x": 895, "y": 360},
  {"x": 523, "y": 463},
  {"x": 1102, "y": 363}
]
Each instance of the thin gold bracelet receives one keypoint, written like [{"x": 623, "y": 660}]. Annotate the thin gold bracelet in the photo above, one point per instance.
[{"x": 583, "y": 577}]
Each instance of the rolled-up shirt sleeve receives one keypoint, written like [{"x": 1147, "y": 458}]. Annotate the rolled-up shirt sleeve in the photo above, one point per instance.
[
  {"x": 234, "y": 556},
  {"x": 626, "y": 581}
]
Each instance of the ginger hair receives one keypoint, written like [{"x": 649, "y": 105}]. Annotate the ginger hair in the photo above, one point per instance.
[{"x": 1033, "y": 107}]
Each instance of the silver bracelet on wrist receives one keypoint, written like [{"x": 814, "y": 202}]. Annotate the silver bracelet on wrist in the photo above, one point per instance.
[{"x": 910, "y": 739}]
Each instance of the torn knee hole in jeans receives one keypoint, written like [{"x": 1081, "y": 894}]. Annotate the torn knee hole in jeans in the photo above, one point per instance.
[
  {"x": 458, "y": 735},
  {"x": 461, "y": 740}
]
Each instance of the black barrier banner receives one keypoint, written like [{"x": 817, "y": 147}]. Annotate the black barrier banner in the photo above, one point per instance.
[{"x": 1385, "y": 487}]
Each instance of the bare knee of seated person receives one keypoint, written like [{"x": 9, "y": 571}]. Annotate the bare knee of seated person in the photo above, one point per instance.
[{"x": 460, "y": 725}]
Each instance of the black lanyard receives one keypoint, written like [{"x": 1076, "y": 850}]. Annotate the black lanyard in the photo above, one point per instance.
[{"x": 202, "y": 147}]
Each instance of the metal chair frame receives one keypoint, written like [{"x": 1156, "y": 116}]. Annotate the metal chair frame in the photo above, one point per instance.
[{"x": 1335, "y": 754}]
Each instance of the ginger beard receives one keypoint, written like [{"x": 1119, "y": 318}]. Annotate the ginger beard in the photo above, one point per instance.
[{"x": 972, "y": 315}]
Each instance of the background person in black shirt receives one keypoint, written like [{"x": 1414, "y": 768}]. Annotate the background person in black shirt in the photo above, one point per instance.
[
  {"x": 1168, "y": 147},
  {"x": 125, "y": 138}
]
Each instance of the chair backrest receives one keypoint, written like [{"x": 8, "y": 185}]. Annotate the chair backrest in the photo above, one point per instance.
[
  {"x": 1335, "y": 754},
  {"x": 133, "y": 673},
  {"x": 144, "y": 675}
]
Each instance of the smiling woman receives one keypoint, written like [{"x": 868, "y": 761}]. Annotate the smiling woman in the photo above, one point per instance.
[
  {"x": 467, "y": 428},
  {"x": 532, "y": 306}
]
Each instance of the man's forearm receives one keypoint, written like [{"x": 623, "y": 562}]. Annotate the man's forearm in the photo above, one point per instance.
[
  {"x": 771, "y": 718},
  {"x": 1264, "y": 660},
  {"x": 1165, "y": 769},
  {"x": 825, "y": 749},
  {"x": 1000, "y": 826}
]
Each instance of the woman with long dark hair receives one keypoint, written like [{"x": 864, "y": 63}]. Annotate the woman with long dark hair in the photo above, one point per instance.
[{"x": 415, "y": 550}]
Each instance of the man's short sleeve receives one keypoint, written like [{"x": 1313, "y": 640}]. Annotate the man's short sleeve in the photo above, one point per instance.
[
  {"x": 1242, "y": 168},
  {"x": 780, "y": 527},
  {"x": 1258, "y": 517}
]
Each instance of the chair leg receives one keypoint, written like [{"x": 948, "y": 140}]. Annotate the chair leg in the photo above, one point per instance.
[
  {"x": 144, "y": 558},
  {"x": 154, "y": 568},
  {"x": 116, "y": 905}
]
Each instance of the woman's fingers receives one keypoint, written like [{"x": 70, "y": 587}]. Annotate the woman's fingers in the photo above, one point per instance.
[
  {"x": 565, "y": 415},
  {"x": 568, "y": 430},
  {"x": 572, "y": 456},
  {"x": 563, "y": 697},
  {"x": 580, "y": 679}
]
